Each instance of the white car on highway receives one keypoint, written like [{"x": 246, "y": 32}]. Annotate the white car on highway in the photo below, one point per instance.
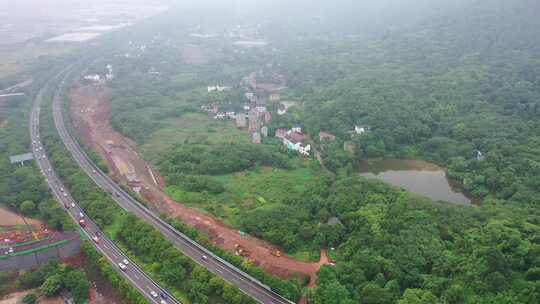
[
  {"x": 122, "y": 266},
  {"x": 72, "y": 205},
  {"x": 153, "y": 294},
  {"x": 125, "y": 261}
]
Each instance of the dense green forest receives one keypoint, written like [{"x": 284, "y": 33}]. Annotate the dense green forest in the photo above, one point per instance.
[
  {"x": 440, "y": 89},
  {"x": 442, "y": 92},
  {"x": 52, "y": 277}
]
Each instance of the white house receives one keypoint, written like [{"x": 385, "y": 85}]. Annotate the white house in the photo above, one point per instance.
[
  {"x": 217, "y": 88},
  {"x": 480, "y": 156},
  {"x": 93, "y": 77},
  {"x": 293, "y": 141},
  {"x": 360, "y": 129}
]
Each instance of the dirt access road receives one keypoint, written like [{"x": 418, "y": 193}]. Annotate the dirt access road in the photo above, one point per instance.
[{"x": 90, "y": 114}]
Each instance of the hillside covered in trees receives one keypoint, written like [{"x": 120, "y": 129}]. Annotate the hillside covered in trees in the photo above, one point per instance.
[{"x": 437, "y": 84}]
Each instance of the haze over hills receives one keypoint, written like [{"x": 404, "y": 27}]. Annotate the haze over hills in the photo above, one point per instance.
[
  {"x": 28, "y": 19},
  {"x": 371, "y": 152}
]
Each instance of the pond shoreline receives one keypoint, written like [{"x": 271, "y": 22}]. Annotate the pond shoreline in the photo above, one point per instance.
[{"x": 419, "y": 176}]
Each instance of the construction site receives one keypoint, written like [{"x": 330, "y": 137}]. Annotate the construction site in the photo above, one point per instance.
[{"x": 16, "y": 229}]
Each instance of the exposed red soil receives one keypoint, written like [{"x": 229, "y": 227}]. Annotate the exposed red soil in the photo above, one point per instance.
[
  {"x": 15, "y": 229},
  {"x": 90, "y": 114}
]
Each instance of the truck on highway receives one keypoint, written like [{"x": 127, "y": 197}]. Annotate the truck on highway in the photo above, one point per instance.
[{"x": 82, "y": 223}]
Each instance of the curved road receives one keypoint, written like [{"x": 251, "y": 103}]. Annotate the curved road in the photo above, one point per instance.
[
  {"x": 247, "y": 284},
  {"x": 134, "y": 275}
]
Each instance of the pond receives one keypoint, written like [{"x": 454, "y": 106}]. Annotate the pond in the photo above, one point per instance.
[{"x": 418, "y": 176}]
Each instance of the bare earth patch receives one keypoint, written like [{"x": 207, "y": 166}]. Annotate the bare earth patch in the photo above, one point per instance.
[{"x": 8, "y": 218}]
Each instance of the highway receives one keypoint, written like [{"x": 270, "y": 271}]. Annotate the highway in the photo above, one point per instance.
[
  {"x": 247, "y": 284},
  {"x": 134, "y": 275}
]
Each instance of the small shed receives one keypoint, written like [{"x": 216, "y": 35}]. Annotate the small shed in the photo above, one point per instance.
[
  {"x": 256, "y": 138},
  {"x": 264, "y": 131},
  {"x": 241, "y": 120},
  {"x": 326, "y": 136},
  {"x": 21, "y": 158},
  {"x": 333, "y": 221},
  {"x": 349, "y": 146}
]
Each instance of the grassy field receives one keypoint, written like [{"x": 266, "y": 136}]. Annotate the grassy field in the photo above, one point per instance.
[
  {"x": 192, "y": 126},
  {"x": 248, "y": 190}
]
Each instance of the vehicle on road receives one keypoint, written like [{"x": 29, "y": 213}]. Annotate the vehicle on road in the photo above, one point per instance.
[
  {"x": 66, "y": 205},
  {"x": 64, "y": 194},
  {"x": 204, "y": 257},
  {"x": 81, "y": 215},
  {"x": 73, "y": 205},
  {"x": 125, "y": 261},
  {"x": 95, "y": 239},
  {"x": 122, "y": 266},
  {"x": 153, "y": 294},
  {"x": 82, "y": 223},
  {"x": 93, "y": 171}
]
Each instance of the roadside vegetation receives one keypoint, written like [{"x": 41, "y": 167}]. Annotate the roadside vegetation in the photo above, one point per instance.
[
  {"x": 22, "y": 188},
  {"x": 52, "y": 278}
]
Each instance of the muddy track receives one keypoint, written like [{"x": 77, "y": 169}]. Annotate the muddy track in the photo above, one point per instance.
[{"x": 90, "y": 113}]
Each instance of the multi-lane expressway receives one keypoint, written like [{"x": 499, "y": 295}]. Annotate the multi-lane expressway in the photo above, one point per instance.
[
  {"x": 213, "y": 263},
  {"x": 128, "y": 269}
]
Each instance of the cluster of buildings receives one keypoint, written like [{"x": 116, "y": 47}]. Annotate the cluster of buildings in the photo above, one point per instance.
[
  {"x": 213, "y": 109},
  {"x": 97, "y": 78},
  {"x": 256, "y": 118},
  {"x": 294, "y": 140}
]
